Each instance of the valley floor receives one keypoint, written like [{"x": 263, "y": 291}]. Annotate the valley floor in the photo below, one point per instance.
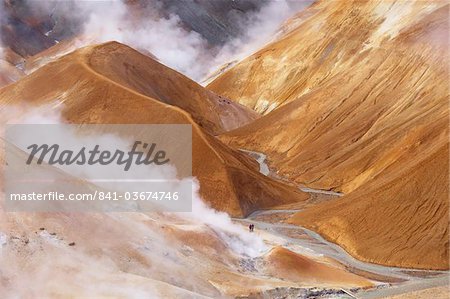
[{"x": 387, "y": 281}]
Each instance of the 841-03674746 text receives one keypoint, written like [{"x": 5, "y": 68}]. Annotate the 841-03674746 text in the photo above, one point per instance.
[{"x": 98, "y": 195}]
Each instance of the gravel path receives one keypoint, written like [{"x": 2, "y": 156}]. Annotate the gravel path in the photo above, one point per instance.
[
  {"x": 264, "y": 169},
  {"x": 315, "y": 245}
]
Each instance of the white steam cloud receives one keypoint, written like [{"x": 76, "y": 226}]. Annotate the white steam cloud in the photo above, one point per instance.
[
  {"x": 61, "y": 271},
  {"x": 164, "y": 36},
  {"x": 239, "y": 240},
  {"x": 260, "y": 28}
]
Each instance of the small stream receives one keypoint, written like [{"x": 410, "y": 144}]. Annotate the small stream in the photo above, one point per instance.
[
  {"x": 265, "y": 170},
  {"x": 315, "y": 245}
]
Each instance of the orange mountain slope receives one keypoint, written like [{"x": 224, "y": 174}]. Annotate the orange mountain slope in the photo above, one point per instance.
[
  {"x": 132, "y": 69},
  {"x": 143, "y": 73},
  {"x": 326, "y": 40},
  {"x": 282, "y": 262},
  {"x": 362, "y": 93},
  {"x": 401, "y": 222},
  {"x": 385, "y": 104},
  {"x": 229, "y": 180}
]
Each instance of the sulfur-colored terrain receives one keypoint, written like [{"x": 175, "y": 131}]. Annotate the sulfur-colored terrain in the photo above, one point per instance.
[
  {"x": 355, "y": 99},
  {"x": 332, "y": 140},
  {"x": 87, "y": 90}
]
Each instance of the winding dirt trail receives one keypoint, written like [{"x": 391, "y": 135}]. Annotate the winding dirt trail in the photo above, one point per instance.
[
  {"x": 265, "y": 170},
  {"x": 261, "y": 159},
  {"x": 390, "y": 281},
  {"x": 319, "y": 191}
]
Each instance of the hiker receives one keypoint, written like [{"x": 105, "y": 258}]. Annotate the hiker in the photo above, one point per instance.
[{"x": 250, "y": 227}]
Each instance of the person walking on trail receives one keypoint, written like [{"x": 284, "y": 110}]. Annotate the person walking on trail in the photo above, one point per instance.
[{"x": 251, "y": 227}]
